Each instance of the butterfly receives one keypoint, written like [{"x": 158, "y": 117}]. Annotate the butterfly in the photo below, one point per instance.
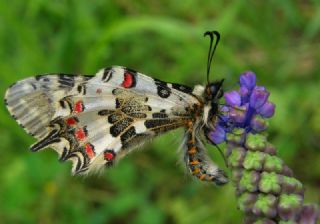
[{"x": 94, "y": 121}]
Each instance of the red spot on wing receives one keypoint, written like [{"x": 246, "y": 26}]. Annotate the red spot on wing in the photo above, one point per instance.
[
  {"x": 109, "y": 156},
  {"x": 89, "y": 150},
  {"x": 80, "y": 134},
  {"x": 71, "y": 121},
  {"x": 128, "y": 80},
  {"x": 78, "y": 106}
]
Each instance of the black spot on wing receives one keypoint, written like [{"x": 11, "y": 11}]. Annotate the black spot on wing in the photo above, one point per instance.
[
  {"x": 159, "y": 115},
  {"x": 120, "y": 126},
  {"x": 85, "y": 130},
  {"x": 137, "y": 115},
  {"x": 162, "y": 88},
  {"x": 107, "y": 74},
  {"x": 131, "y": 70},
  {"x": 65, "y": 102},
  {"x": 81, "y": 160},
  {"x": 118, "y": 103},
  {"x": 82, "y": 89},
  {"x": 153, "y": 123},
  {"x": 87, "y": 77},
  {"x": 65, "y": 80},
  {"x": 128, "y": 109},
  {"x": 182, "y": 88},
  {"x": 64, "y": 154},
  {"x": 79, "y": 88},
  {"x": 134, "y": 140},
  {"x": 130, "y": 133},
  {"x": 159, "y": 82},
  {"x": 113, "y": 118},
  {"x": 5, "y": 101},
  {"x": 163, "y": 92},
  {"x": 38, "y": 77},
  {"x": 33, "y": 86},
  {"x": 50, "y": 138},
  {"x": 105, "y": 112}
]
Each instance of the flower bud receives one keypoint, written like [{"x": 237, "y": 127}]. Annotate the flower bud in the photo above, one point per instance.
[
  {"x": 217, "y": 135},
  {"x": 233, "y": 98},
  {"x": 258, "y": 123},
  {"x": 267, "y": 110},
  {"x": 258, "y": 97},
  {"x": 309, "y": 214},
  {"x": 248, "y": 80}
]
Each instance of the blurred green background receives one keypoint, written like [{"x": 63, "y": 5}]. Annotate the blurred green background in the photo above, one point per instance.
[{"x": 279, "y": 40}]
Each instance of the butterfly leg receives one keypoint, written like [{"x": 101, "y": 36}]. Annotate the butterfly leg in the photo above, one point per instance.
[{"x": 198, "y": 162}]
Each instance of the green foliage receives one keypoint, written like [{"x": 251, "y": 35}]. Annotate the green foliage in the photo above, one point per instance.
[{"x": 278, "y": 40}]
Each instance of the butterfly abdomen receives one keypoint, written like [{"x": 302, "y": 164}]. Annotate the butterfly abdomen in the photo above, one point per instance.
[{"x": 198, "y": 163}]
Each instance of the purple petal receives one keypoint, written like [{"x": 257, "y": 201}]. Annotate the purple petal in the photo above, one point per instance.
[
  {"x": 248, "y": 80},
  {"x": 258, "y": 97},
  {"x": 224, "y": 109},
  {"x": 267, "y": 110},
  {"x": 238, "y": 114},
  {"x": 245, "y": 94},
  {"x": 217, "y": 135},
  {"x": 232, "y": 98},
  {"x": 244, "y": 91},
  {"x": 258, "y": 124},
  {"x": 224, "y": 114}
]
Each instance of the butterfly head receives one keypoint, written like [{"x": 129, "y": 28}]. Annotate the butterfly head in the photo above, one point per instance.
[
  {"x": 212, "y": 94},
  {"x": 214, "y": 91}
]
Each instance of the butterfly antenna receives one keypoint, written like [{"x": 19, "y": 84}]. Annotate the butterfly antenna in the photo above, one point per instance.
[{"x": 211, "y": 34}]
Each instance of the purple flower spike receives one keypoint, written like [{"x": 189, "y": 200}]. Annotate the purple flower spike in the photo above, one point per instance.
[
  {"x": 248, "y": 80},
  {"x": 267, "y": 110},
  {"x": 218, "y": 135},
  {"x": 266, "y": 189},
  {"x": 258, "y": 97},
  {"x": 232, "y": 98}
]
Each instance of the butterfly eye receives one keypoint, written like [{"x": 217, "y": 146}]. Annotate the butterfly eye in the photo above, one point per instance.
[{"x": 214, "y": 90}]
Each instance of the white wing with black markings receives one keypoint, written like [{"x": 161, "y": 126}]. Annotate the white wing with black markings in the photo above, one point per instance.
[{"x": 94, "y": 121}]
